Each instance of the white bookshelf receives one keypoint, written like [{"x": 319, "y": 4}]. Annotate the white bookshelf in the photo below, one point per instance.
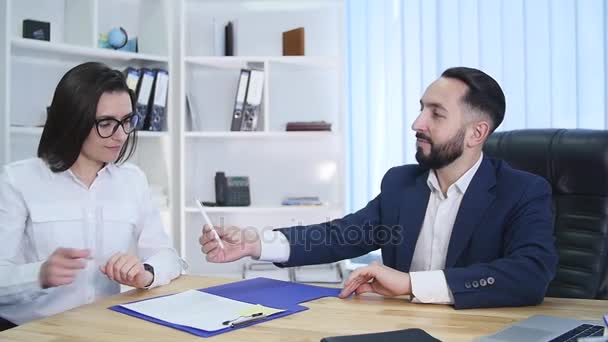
[
  {"x": 31, "y": 47},
  {"x": 4, "y": 81},
  {"x": 31, "y": 70},
  {"x": 184, "y": 38},
  {"x": 261, "y": 135},
  {"x": 231, "y": 61},
  {"x": 296, "y": 88},
  {"x": 262, "y": 210},
  {"x": 37, "y": 131}
]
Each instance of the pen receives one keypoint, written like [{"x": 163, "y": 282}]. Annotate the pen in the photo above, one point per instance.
[
  {"x": 208, "y": 222},
  {"x": 253, "y": 318},
  {"x": 257, "y": 314}
]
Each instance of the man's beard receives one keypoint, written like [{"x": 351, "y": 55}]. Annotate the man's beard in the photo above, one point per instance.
[{"x": 441, "y": 155}]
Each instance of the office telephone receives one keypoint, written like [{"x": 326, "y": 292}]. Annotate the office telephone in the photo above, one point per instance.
[{"x": 231, "y": 191}]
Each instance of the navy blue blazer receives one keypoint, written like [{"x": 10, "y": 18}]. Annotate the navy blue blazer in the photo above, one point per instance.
[{"x": 502, "y": 237}]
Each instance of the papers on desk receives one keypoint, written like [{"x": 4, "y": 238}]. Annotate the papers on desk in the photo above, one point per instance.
[
  {"x": 266, "y": 311},
  {"x": 276, "y": 299},
  {"x": 198, "y": 310}
]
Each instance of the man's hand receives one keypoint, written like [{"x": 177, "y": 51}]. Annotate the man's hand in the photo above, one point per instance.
[
  {"x": 126, "y": 269},
  {"x": 238, "y": 243},
  {"x": 378, "y": 279},
  {"x": 62, "y": 266}
]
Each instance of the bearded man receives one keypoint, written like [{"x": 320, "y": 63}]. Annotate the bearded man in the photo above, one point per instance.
[{"x": 459, "y": 228}]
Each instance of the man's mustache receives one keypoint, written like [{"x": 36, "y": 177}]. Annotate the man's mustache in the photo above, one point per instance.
[{"x": 424, "y": 137}]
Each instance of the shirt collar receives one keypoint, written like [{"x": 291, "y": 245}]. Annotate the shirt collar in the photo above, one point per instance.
[
  {"x": 461, "y": 184},
  {"x": 108, "y": 168}
]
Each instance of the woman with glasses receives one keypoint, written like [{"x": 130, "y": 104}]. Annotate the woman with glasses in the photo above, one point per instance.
[{"x": 77, "y": 222}]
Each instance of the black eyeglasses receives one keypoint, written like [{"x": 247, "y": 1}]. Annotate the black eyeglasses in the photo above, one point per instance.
[{"x": 108, "y": 126}]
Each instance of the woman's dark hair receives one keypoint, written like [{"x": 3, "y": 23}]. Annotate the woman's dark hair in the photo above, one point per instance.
[
  {"x": 72, "y": 114},
  {"x": 484, "y": 93}
]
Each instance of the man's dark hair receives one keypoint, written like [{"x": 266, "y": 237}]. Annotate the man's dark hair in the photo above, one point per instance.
[
  {"x": 72, "y": 114},
  {"x": 484, "y": 93}
]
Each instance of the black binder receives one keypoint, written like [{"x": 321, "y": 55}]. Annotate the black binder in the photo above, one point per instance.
[
  {"x": 144, "y": 90},
  {"x": 229, "y": 39},
  {"x": 239, "y": 102},
  {"x": 133, "y": 75},
  {"x": 253, "y": 101},
  {"x": 407, "y": 335},
  {"x": 157, "y": 115}
]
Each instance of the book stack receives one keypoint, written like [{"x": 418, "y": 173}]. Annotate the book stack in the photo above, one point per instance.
[
  {"x": 310, "y": 200},
  {"x": 308, "y": 126}
]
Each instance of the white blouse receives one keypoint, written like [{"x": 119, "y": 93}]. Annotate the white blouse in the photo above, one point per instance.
[{"x": 41, "y": 211}]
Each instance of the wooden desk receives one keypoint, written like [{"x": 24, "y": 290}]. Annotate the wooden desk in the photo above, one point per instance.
[{"x": 326, "y": 317}]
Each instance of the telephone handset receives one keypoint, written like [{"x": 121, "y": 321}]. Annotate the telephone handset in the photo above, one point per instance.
[{"x": 231, "y": 191}]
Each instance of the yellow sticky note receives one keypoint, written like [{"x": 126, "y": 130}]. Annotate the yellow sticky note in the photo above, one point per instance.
[{"x": 267, "y": 311}]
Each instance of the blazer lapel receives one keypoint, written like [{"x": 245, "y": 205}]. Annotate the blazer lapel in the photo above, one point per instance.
[
  {"x": 476, "y": 200},
  {"x": 411, "y": 216}
]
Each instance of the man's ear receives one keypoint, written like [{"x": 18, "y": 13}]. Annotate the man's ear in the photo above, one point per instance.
[{"x": 480, "y": 132}]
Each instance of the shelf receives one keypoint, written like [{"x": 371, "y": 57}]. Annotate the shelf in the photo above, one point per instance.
[
  {"x": 146, "y": 134},
  {"x": 23, "y": 46},
  {"x": 261, "y": 210},
  {"x": 38, "y": 131},
  {"x": 26, "y": 130},
  {"x": 260, "y": 135},
  {"x": 238, "y": 61}
]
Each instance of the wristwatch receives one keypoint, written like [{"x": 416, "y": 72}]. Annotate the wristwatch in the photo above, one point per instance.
[{"x": 150, "y": 269}]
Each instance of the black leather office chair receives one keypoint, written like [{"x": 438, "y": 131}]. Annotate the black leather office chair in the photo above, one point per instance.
[{"x": 575, "y": 162}]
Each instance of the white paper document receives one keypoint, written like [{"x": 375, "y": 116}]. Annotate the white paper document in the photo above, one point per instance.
[{"x": 194, "y": 309}]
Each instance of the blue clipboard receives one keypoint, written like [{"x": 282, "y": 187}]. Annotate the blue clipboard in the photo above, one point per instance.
[{"x": 268, "y": 292}]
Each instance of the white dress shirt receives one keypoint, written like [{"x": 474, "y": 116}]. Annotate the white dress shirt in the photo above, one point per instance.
[
  {"x": 41, "y": 211},
  {"x": 426, "y": 270}
]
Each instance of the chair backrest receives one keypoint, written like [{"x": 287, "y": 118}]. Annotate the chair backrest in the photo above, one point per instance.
[{"x": 575, "y": 162}]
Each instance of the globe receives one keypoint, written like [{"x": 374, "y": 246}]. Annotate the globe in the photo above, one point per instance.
[{"x": 117, "y": 37}]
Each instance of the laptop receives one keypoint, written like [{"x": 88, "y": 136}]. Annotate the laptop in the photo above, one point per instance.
[{"x": 547, "y": 328}]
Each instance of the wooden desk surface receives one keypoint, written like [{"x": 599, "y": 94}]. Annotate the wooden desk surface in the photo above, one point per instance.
[{"x": 326, "y": 317}]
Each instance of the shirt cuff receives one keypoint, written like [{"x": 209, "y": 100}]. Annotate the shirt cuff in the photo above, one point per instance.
[
  {"x": 30, "y": 274},
  {"x": 29, "y": 278},
  {"x": 167, "y": 266},
  {"x": 275, "y": 247},
  {"x": 430, "y": 287}
]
